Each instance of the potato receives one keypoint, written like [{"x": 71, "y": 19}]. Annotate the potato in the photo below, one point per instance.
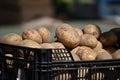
[
  {"x": 99, "y": 45},
  {"x": 45, "y": 34},
  {"x": 103, "y": 54},
  {"x": 74, "y": 55},
  {"x": 92, "y": 29},
  {"x": 47, "y": 45},
  {"x": 79, "y": 31},
  {"x": 32, "y": 34},
  {"x": 110, "y": 49},
  {"x": 29, "y": 43},
  {"x": 58, "y": 45},
  {"x": 86, "y": 53},
  {"x": 11, "y": 38},
  {"x": 67, "y": 35},
  {"x": 88, "y": 40},
  {"x": 116, "y": 54},
  {"x": 116, "y": 31},
  {"x": 108, "y": 38}
]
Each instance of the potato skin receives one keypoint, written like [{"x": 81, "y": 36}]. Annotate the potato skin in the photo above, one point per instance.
[
  {"x": 79, "y": 31},
  {"x": 11, "y": 38},
  {"x": 47, "y": 45},
  {"x": 45, "y": 34},
  {"x": 99, "y": 46},
  {"x": 32, "y": 34},
  {"x": 58, "y": 45},
  {"x": 116, "y": 54},
  {"x": 103, "y": 54},
  {"x": 67, "y": 35},
  {"x": 88, "y": 40},
  {"x": 29, "y": 43},
  {"x": 108, "y": 38},
  {"x": 86, "y": 53},
  {"x": 92, "y": 29},
  {"x": 74, "y": 54}
]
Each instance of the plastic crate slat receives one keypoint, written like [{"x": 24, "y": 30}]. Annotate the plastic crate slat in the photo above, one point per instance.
[{"x": 57, "y": 64}]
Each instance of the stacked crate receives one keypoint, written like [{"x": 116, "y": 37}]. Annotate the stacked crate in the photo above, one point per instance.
[{"x": 17, "y": 11}]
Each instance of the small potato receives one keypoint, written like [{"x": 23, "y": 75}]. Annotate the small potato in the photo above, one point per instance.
[
  {"x": 108, "y": 38},
  {"x": 32, "y": 34},
  {"x": 11, "y": 38},
  {"x": 116, "y": 54},
  {"x": 86, "y": 53},
  {"x": 103, "y": 54},
  {"x": 92, "y": 29},
  {"x": 67, "y": 35},
  {"x": 45, "y": 34},
  {"x": 29, "y": 43},
  {"x": 88, "y": 40},
  {"x": 58, "y": 45},
  {"x": 79, "y": 31},
  {"x": 74, "y": 55}
]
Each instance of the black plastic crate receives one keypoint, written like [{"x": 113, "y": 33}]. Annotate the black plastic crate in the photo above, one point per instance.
[{"x": 52, "y": 64}]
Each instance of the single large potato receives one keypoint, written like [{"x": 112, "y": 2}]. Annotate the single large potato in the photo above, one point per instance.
[
  {"x": 11, "y": 38},
  {"x": 108, "y": 38},
  {"x": 32, "y": 34},
  {"x": 45, "y": 34},
  {"x": 92, "y": 29},
  {"x": 86, "y": 53},
  {"x": 67, "y": 35},
  {"x": 103, "y": 54},
  {"x": 79, "y": 31},
  {"x": 88, "y": 40},
  {"x": 29, "y": 43}
]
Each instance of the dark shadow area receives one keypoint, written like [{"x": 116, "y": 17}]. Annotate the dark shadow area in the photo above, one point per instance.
[{"x": 9, "y": 12}]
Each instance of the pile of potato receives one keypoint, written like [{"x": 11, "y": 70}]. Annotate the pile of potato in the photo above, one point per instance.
[{"x": 89, "y": 43}]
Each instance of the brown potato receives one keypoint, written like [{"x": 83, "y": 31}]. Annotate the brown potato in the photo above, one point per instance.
[
  {"x": 67, "y": 35},
  {"x": 103, "y": 54},
  {"x": 29, "y": 43},
  {"x": 111, "y": 49},
  {"x": 58, "y": 45},
  {"x": 45, "y": 34},
  {"x": 11, "y": 38},
  {"x": 79, "y": 31},
  {"x": 32, "y": 34},
  {"x": 74, "y": 54},
  {"x": 116, "y": 54},
  {"x": 108, "y": 38},
  {"x": 88, "y": 40},
  {"x": 92, "y": 29},
  {"x": 86, "y": 53}
]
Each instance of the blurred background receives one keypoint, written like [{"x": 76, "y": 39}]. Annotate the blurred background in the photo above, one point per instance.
[{"x": 15, "y": 15}]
